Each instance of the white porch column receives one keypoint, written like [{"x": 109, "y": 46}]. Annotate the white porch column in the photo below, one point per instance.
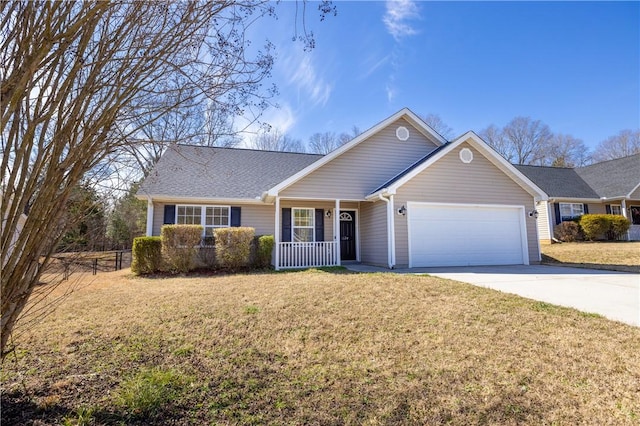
[
  {"x": 336, "y": 231},
  {"x": 149, "y": 217},
  {"x": 276, "y": 234},
  {"x": 623, "y": 207}
]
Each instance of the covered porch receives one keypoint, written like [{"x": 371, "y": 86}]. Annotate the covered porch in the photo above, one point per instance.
[{"x": 316, "y": 233}]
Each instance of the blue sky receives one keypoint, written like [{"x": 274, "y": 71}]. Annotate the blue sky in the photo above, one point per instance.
[{"x": 573, "y": 65}]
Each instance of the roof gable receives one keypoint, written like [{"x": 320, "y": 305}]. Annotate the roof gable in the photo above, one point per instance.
[
  {"x": 405, "y": 113},
  {"x": 470, "y": 137}
]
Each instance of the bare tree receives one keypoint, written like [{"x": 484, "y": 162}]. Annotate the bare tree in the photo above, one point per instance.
[
  {"x": 275, "y": 140},
  {"x": 323, "y": 143},
  {"x": 625, "y": 143},
  {"x": 80, "y": 80},
  {"x": 567, "y": 151},
  {"x": 521, "y": 141},
  {"x": 348, "y": 136},
  {"x": 436, "y": 123},
  {"x": 494, "y": 136}
]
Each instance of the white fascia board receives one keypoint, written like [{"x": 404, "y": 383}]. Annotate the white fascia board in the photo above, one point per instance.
[
  {"x": 574, "y": 200},
  {"x": 200, "y": 200},
  {"x": 403, "y": 113},
  {"x": 633, "y": 190}
]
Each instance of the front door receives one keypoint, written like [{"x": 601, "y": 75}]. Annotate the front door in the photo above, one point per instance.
[{"x": 347, "y": 235}]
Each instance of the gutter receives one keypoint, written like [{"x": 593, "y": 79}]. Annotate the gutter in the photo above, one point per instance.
[{"x": 391, "y": 237}]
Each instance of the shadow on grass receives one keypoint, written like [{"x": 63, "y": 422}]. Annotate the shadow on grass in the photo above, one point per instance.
[
  {"x": 21, "y": 409},
  {"x": 551, "y": 261}
]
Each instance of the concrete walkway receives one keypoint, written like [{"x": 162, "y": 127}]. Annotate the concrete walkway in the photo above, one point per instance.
[{"x": 615, "y": 295}]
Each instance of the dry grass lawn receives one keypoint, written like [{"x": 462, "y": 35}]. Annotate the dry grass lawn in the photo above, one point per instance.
[
  {"x": 319, "y": 348},
  {"x": 622, "y": 255}
]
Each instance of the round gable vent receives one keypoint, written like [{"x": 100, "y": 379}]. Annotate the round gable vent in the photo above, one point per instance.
[
  {"x": 402, "y": 133},
  {"x": 466, "y": 156}
]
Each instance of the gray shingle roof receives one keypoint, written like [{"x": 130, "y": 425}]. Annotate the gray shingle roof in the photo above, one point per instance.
[
  {"x": 558, "y": 182},
  {"x": 614, "y": 178},
  {"x": 225, "y": 173}
]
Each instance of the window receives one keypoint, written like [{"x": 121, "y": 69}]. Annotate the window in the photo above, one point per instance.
[
  {"x": 209, "y": 217},
  {"x": 215, "y": 217},
  {"x": 189, "y": 215},
  {"x": 615, "y": 209},
  {"x": 303, "y": 225},
  {"x": 570, "y": 211}
]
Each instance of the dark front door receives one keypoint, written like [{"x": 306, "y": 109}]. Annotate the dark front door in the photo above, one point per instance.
[
  {"x": 635, "y": 215},
  {"x": 347, "y": 235}
]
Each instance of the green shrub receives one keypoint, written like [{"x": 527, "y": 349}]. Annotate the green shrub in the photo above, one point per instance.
[
  {"x": 180, "y": 246},
  {"x": 233, "y": 246},
  {"x": 595, "y": 225},
  {"x": 567, "y": 232},
  {"x": 149, "y": 391},
  {"x": 147, "y": 255},
  {"x": 619, "y": 226},
  {"x": 264, "y": 248}
]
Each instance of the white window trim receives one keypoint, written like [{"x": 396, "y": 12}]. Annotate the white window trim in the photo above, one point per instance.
[
  {"x": 619, "y": 209},
  {"x": 203, "y": 216},
  {"x": 573, "y": 214},
  {"x": 312, "y": 227}
]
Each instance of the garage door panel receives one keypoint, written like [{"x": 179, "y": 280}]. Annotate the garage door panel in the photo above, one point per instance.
[{"x": 455, "y": 235}]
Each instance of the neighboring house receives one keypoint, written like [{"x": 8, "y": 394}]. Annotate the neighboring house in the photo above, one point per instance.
[
  {"x": 611, "y": 187},
  {"x": 398, "y": 195}
]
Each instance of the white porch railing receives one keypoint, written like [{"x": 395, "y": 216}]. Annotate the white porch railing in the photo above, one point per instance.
[
  {"x": 634, "y": 233},
  {"x": 307, "y": 255}
]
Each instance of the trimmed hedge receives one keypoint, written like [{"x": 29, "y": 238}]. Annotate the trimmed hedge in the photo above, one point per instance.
[
  {"x": 180, "y": 245},
  {"x": 233, "y": 246},
  {"x": 264, "y": 249},
  {"x": 147, "y": 255},
  {"x": 608, "y": 226},
  {"x": 619, "y": 226}
]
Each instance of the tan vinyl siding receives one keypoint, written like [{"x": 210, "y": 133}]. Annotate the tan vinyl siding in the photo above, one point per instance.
[
  {"x": 544, "y": 233},
  {"x": 158, "y": 218},
  {"x": 598, "y": 208},
  {"x": 373, "y": 233},
  {"x": 451, "y": 181},
  {"x": 359, "y": 171},
  {"x": 260, "y": 217}
]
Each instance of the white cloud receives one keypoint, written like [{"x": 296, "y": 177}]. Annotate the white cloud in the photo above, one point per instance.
[
  {"x": 281, "y": 118},
  {"x": 307, "y": 80},
  {"x": 396, "y": 17}
]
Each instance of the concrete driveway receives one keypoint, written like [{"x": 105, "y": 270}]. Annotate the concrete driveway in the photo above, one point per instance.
[{"x": 615, "y": 295}]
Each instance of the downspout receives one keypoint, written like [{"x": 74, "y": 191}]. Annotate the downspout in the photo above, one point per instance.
[{"x": 389, "y": 230}]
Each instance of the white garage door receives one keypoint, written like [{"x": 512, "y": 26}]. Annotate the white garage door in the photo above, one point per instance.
[{"x": 465, "y": 235}]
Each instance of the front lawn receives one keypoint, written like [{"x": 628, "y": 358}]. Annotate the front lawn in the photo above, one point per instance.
[
  {"x": 620, "y": 256},
  {"x": 317, "y": 348}
]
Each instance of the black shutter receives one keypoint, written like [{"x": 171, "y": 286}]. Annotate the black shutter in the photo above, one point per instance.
[
  {"x": 286, "y": 225},
  {"x": 607, "y": 207},
  {"x": 585, "y": 208},
  {"x": 556, "y": 206},
  {"x": 235, "y": 216},
  {"x": 319, "y": 224},
  {"x": 169, "y": 214}
]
